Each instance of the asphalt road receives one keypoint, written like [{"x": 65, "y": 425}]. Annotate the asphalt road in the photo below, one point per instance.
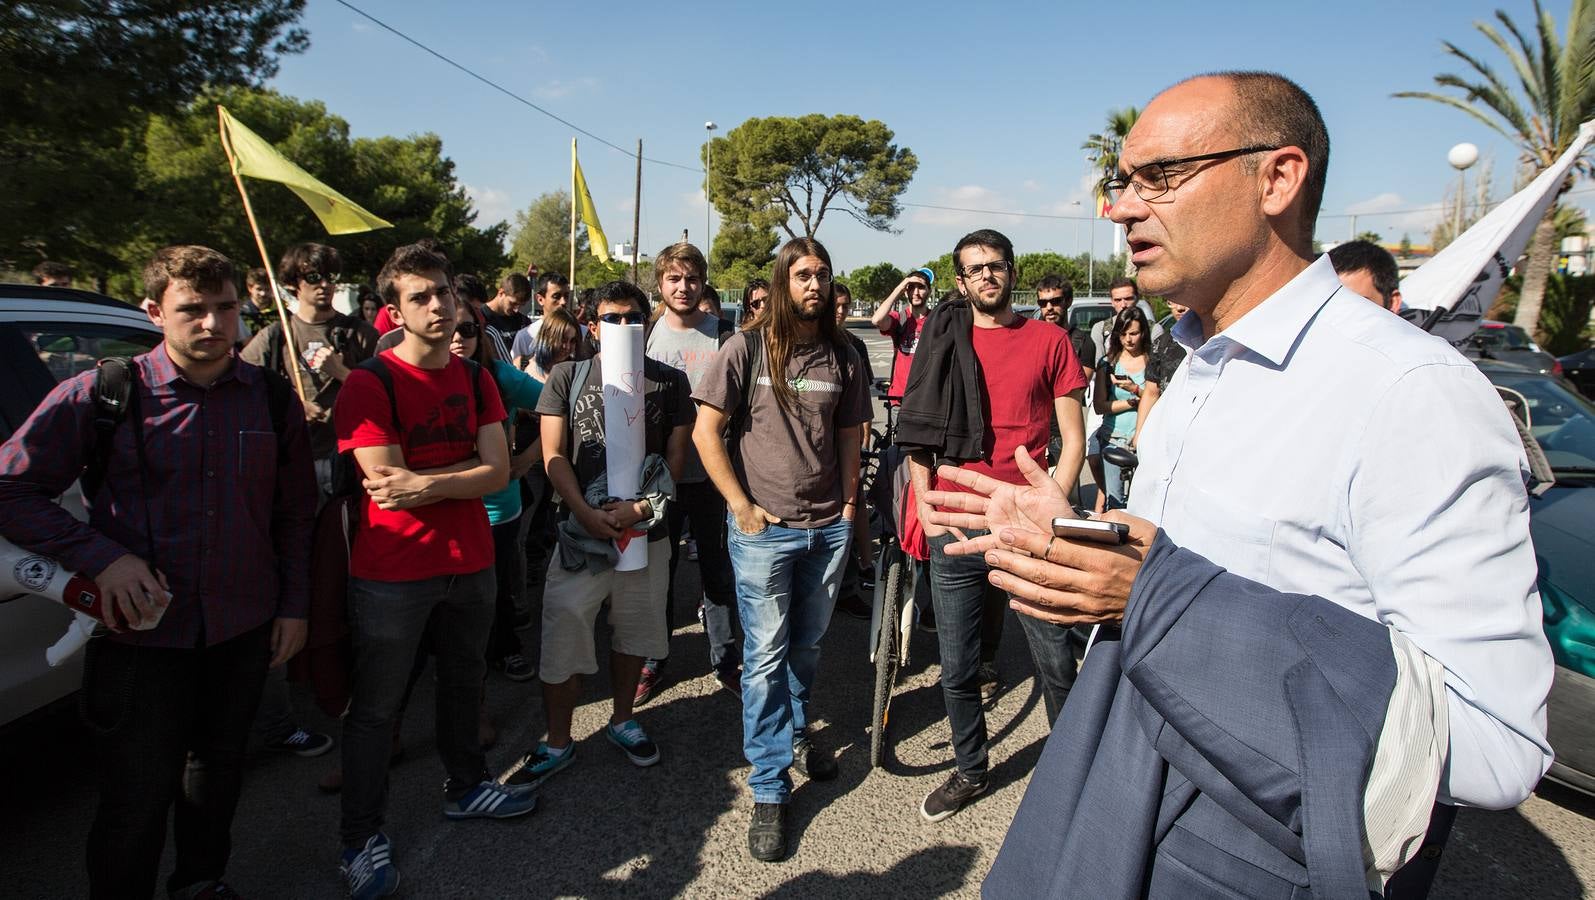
[{"x": 606, "y": 829}]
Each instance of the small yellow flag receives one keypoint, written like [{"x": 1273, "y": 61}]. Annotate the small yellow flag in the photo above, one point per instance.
[
  {"x": 584, "y": 206},
  {"x": 255, "y": 157}
]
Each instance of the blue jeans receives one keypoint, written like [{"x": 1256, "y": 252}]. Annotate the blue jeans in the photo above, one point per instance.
[
  {"x": 958, "y": 590},
  {"x": 787, "y": 580},
  {"x": 386, "y": 622}
]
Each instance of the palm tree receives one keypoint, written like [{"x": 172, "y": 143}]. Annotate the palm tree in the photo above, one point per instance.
[
  {"x": 1556, "y": 93},
  {"x": 1103, "y": 149}
]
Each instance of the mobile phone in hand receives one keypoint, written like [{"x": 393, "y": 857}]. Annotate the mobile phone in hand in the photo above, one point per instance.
[{"x": 1090, "y": 530}]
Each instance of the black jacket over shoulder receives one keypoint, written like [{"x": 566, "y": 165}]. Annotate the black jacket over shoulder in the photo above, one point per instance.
[{"x": 941, "y": 409}]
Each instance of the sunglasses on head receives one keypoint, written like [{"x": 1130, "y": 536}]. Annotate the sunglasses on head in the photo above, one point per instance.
[
  {"x": 317, "y": 277},
  {"x": 631, "y": 318},
  {"x": 467, "y": 330}
]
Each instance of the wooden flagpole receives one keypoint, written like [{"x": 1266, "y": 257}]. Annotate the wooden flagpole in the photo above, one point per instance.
[
  {"x": 292, "y": 359},
  {"x": 574, "y": 199},
  {"x": 636, "y": 218}
]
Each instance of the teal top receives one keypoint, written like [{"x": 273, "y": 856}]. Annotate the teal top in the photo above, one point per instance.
[
  {"x": 1123, "y": 426},
  {"x": 520, "y": 391}
]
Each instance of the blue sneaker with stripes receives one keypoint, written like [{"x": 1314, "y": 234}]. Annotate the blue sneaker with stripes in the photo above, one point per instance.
[
  {"x": 490, "y": 800},
  {"x": 369, "y": 871}
]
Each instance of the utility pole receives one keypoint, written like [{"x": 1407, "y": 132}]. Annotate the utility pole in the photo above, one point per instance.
[{"x": 636, "y": 217}]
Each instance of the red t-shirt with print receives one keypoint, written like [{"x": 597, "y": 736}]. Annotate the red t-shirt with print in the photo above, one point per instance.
[
  {"x": 1026, "y": 365},
  {"x": 903, "y": 329},
  {"x": 438, "y": 419}
]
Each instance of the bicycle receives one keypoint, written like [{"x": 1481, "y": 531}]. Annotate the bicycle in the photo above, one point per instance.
[{"x": 891, "y": 618}]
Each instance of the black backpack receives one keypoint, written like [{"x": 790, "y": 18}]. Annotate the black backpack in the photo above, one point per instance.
[
  {"x": 116, "y": 399},
  {"x": 346, "y": 471}
]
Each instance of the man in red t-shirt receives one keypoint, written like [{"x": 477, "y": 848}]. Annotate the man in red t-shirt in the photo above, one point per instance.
[
  {"x": 429, "y": 446},
  {"x": 903, "y": 327},
  {"x": 1030, "y": 377}
]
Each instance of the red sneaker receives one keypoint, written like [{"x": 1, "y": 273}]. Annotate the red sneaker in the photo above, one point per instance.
[{"x": 647, "y": 682}]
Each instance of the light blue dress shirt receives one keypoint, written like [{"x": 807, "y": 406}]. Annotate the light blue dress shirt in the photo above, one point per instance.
[{"x": 1322, "y": 445}]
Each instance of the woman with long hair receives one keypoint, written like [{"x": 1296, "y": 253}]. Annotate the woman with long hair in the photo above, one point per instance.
[
  {"x": 1123, "y": 395},
  {"x": 558, "y": 339}
]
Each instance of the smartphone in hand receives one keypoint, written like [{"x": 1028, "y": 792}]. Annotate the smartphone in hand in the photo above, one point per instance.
[{"x": 1094, "y": 530}]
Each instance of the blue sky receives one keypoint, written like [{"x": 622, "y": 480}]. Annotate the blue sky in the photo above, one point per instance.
[{"x": 995, "y": 99}]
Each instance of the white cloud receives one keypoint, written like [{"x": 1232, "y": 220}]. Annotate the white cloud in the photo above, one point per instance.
[
  {"x": 965, "y": 198},
  {"x": 360, "y": 26},
  {"x": 1031, "y": 185},
  {"x": 492, "y": 205},
  {"x": 560, "y": 88}
]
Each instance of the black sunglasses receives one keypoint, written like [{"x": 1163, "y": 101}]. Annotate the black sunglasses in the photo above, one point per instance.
[
  {"x": 467, "y": 330},
  {"x": 631, "y": 318},
  {"x": 317, "y": 277}
]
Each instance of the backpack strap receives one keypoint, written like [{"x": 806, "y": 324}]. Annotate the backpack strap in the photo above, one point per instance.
[
  {"x": 578, "y": 381},
  {"x": 279, "y": 398},
  {"x": 115, "y": 399},
  {"x": 756, "y": 365}
]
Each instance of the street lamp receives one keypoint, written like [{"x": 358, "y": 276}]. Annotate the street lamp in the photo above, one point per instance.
[
  {"x": 708, "y": 172},
  {"x": 1461, "y": 157}
]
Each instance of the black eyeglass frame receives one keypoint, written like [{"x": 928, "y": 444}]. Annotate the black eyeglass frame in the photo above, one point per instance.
[{"x": 1119, "y": 184}]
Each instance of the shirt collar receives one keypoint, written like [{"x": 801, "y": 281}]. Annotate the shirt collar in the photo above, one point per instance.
[
  {"x": 161, "y": 370},
  {"x": 1271, "y": 329}
]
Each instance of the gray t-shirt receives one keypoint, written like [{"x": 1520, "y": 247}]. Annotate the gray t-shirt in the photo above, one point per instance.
[
  {"x": 665, "y": 406},
  {"x": 797, "y": 476},
  {"x": 310, "y": 337},
  {"x": 688, "y": 351}
]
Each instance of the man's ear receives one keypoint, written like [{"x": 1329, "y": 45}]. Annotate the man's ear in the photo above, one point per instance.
[
  {"x": 153, "y": 310},
  {"x": 1283, "y": 177}
]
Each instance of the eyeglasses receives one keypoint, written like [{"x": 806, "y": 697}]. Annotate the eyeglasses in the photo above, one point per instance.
[
  {"x": 317, "y": 277},
  {"x": 999, "y": 268},
  {"x": 1151, "y": 180},
  {"x": 467, "y": 330},
  {"x": 631, "y": 318},
  {"x": 805, "y": 277}
]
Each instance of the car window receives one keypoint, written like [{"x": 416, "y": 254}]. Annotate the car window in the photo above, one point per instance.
[
  {"x": 1561, "y": 421},
  {"x": 1087, "y": 316},
  {"x": 67, "y": 348}
]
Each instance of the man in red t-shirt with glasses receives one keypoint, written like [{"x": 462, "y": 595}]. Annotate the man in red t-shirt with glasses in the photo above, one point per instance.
[
  {"x": 429, "y": 445},
  {"x": 1028, "y": 377}
]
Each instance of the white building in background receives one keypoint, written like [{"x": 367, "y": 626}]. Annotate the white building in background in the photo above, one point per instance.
[
  {"x": 625, "y": 253},
  {"x": 1575, "y": 256}
]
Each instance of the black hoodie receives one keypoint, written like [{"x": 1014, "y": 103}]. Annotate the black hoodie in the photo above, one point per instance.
[{"x": 942, "y": 409}]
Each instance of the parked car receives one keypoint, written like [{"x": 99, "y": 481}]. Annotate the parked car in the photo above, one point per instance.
[
  {"x": 46, "y": 335},
  {"x": 1562, "y": 523},
  {"x": 1579, "y": 368},
  {"x": 1509, "y": 343}
]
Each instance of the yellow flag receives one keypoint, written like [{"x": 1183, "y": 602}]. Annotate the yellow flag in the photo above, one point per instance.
[
  {"x": 253, "y": 156},
  {"x": 584, "y": 206}
]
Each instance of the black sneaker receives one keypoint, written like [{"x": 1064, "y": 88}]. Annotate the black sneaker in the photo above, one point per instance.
[
  {"x": 516, "y": 668},
  {"x": 950, "y": 797},
  {"x": 767, "y": 832},
  {"x": 730, "y": 679},
  {"x": 302, "y": 743},
  {"x": 990, "y": 684},
  {"x": 927, "y": 619},
  {"x": 813, "y": 762}
]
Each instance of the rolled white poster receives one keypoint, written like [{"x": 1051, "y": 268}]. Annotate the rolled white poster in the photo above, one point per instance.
[
  {"x": 24, "y": 572},
  {"x": 625, "y": 392}
]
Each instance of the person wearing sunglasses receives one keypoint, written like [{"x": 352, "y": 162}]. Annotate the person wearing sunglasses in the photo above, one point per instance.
[
  {"x": 903, "y": 327},
  {"x": 754, "y": 296},
  {"x": 581, "y": 578}
]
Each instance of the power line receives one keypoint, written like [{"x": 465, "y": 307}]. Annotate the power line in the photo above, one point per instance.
[{"x": 506, "y": 91}]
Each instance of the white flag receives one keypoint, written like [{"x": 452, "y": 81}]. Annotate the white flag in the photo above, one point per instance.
[{"x": 1464, "y": 278}]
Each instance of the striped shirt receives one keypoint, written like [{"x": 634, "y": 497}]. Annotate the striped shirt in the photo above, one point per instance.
[{"x": 230, "y": 520}]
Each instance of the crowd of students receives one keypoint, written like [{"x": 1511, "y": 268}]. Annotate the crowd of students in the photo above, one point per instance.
[{"x": 447, "y": 453}]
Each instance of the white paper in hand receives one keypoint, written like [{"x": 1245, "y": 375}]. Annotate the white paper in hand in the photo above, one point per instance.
[{"x": 625, "y": 393}]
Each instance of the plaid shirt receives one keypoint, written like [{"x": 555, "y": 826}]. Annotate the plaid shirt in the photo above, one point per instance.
[{"x": 231, "y": 522}]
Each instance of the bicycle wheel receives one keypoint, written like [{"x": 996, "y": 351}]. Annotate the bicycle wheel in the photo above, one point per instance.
[{"x": 886, "y": 656}]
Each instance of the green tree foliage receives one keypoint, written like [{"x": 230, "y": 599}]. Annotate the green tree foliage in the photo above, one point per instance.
[
  {"x": 1405, "y": 249},
  {"x": 1556, "y": 92},
  {"x": 1035, "y": 266},
  {"x": 768, "y": 172},
  {"x": 541, "y": 235},
  {"x": 946, "y": 281},
  {"x": 80, "y": 80},
  {"x": 741, "y": 253},
  {"x": 872, "y": 284},
  {"x": 1103, "y": 148},
  {"x": 1372, "y": 237},
  {"x": 187, "y": 194},
  {"x": 1565, "y": 315}
]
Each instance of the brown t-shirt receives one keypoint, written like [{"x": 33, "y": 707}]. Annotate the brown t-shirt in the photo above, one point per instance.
[
  {"x": 322, "y": 388},
  {"x": 795, "y": 456}
]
